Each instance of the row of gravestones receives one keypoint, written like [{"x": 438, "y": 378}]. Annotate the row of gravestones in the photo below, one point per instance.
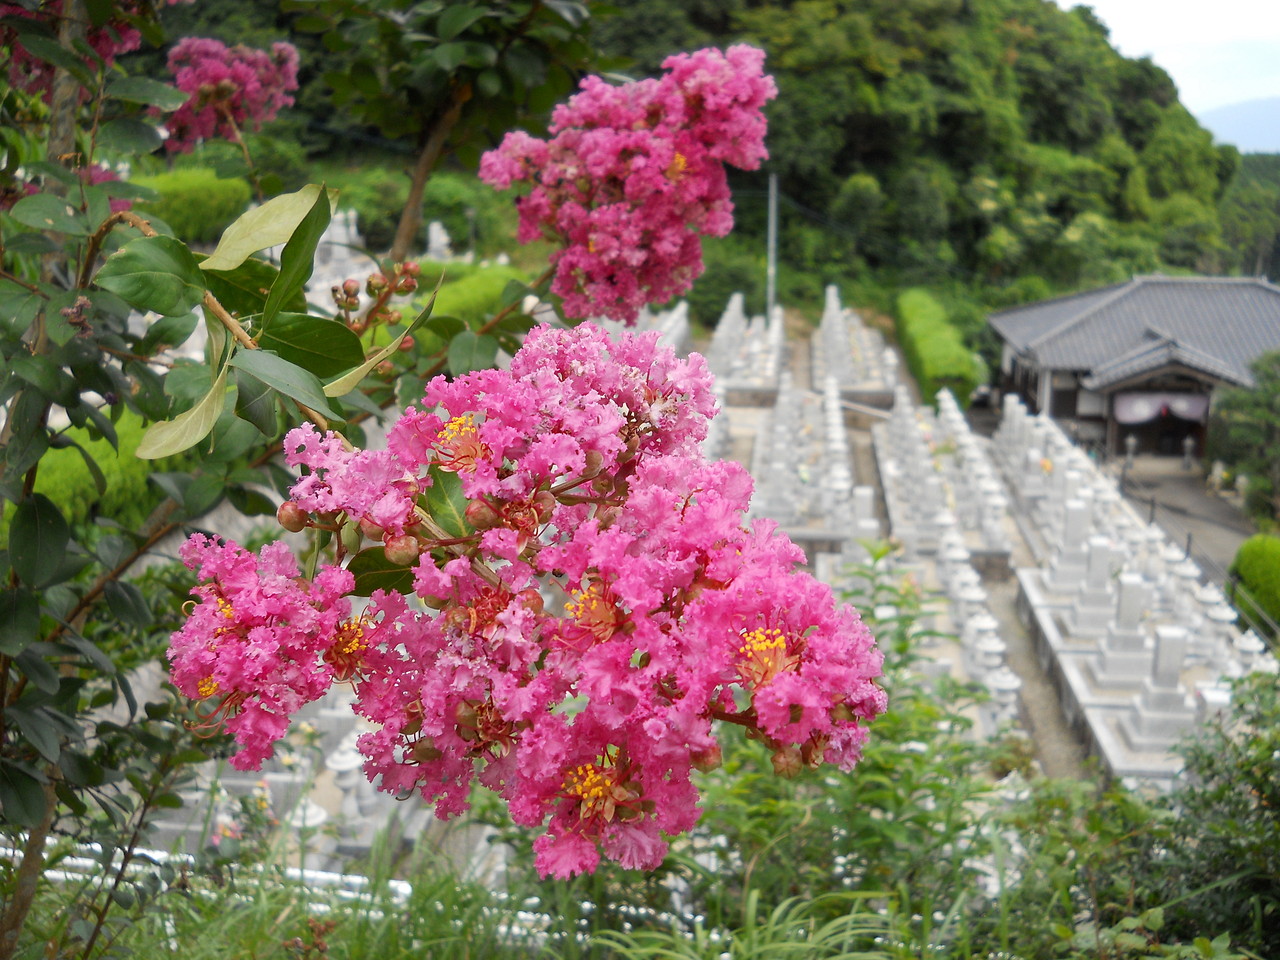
[
  {"x": 805, "y": 481},
  {"x": 1139, "y": 645},
  {"x": 948, "y": 512}
]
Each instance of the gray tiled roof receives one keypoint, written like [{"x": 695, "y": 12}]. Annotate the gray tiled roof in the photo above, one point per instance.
[
  {"x": 1218, "y": 324},
  {"x": 1151, "y": 356}
]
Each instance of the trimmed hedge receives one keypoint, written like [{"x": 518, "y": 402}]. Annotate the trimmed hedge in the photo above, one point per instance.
[
  {"x": 195, "y": 202},
  {"x": 1257, "y": 563},
  {"x": 934, "y": 349}
]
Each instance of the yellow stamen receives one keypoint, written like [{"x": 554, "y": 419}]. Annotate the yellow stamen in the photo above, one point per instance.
[
  {"x": 207, "y": 687},
  {"x": 763, "y": 655},
  {"x": 677, "y": 167}
]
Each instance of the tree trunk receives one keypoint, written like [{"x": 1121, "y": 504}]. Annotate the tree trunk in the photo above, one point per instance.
[{"x": 411, "y": 217}]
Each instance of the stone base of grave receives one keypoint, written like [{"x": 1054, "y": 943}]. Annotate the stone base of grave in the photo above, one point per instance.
[
  {"x": 1158, "y": 719},
  {"x": 1148, "y": 768}
]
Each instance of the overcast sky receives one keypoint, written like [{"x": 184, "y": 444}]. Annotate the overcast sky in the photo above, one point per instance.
[{"x": 1217, "y": 51}]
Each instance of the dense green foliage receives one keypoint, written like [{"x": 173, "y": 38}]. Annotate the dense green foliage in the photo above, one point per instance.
[
  {"x": 195, "y": 202},
  {"x": 1257, "y": 563},
  {"x": 934, "y": 349},
  {"x": 1248, "y": 419},
  {"x": 986, "y": 138}
]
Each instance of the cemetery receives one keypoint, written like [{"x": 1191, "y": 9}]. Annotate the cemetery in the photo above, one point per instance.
[{"x": 377, "y": 586}]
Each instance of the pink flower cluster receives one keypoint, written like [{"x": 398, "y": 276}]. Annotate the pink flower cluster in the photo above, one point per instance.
[
  {"x": 634, "y": 175},
  {"x": 259, "y": 640},
  {"x": 231, "y": 89},
  {"x": 589, "y": 604}
]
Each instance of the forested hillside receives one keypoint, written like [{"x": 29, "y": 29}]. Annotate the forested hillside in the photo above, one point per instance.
[{"x": 984, "y": 139}]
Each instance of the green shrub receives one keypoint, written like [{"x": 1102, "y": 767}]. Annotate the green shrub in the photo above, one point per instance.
[
  {"x": 730, "y": 269},
  {"x": 1257, "y": 563},
  {"x": 195, "y": 202},
  {"x": 65, "y": 478},
  {"x": 473, "y": 298},
  {"x": 935, "y": 351}
]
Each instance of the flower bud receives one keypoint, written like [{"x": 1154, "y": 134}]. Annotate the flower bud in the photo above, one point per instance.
[
  {"x": 385, "y": 368},
  {"x": 708, "y": 759},
  {"x": 544, "y": 502},
  {"x": 406, "y": 285},
  {"x": 595, "y": 460},
  {"x": 787, "y": 761},
  {"x": 402, "y": 550},
  {"x": 371, "y": 530},
  {"x": 358, "y": 326},
  {"x": 531, "y": 599},
  {"x": 482, "y": 516},
  {"x": 375, "y": 284},
  {"x": 351, "y": 286},
  {"x": 407, "y": 344},
  {"x": 410, "y": 267},
  {"x": 292, "y": 517}
]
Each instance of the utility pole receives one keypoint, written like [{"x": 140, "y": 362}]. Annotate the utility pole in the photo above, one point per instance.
[{"x": 771, "y": 271}]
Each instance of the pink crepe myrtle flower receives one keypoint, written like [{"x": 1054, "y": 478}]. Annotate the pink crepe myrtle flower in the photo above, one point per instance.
[
  {"x": 232, "y": 89},
  {"x": 602, "y": 608},
  {"x": 634, "y": 175},
  {"x": 259, "y": 639}
]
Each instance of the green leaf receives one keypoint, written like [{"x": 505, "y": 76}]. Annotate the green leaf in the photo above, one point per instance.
[
  {"x": 203, "y": 493},
  {"x": 325, "y": 347},
  {"x": 269, "y": 225},
  {"x": 18, "y": 305},
  {"x": 244, "y": 290},
  {"x": 298, "y": 259},
  {"x": 43, "y": 374},
  {"x": 250, "y": 502},
  {"x": 30, "y": 244},
  {"x": 373, "y": 572},
  {"x": 143, "y": 90},
  {"x": 456, "y": 19},
  {"x": 447, "y": 504},
  {"x": 21, "y": 796},
  {"x": 154, "y": 273},
  {"x": 37, "y": 670},
  {"x": 574, "y": 14},
  {"x": 44, "y": 211},
  {"x": 470, "y": 351},
  {"x": 49, "y": 50},
  {"x": 38, "y": 540},
  {"x": 187, "y": 429},
  {"x": 37, "y": 728},
  {"x": 129, "y": 135},
  {"x": 289, "y": 378},
  {"x": 19, "y": 620},
  {"x": 489, "y": 83},
  {"x": 95, "y": 471},
  {"x": 127, "y": 604},
  {"x": 167, "y": 333},
  {"x": 256, "y": 403}
]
